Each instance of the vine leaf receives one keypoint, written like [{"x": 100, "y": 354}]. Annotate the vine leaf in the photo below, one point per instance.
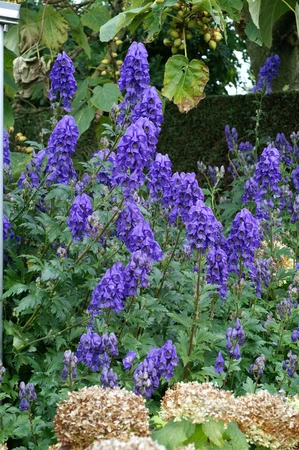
[
  {"x": 184, "y": 81},
  {"x": 55, "y": 28},
  {"x": 95, "y": 18},
  {"x": 270, "y": 12}
]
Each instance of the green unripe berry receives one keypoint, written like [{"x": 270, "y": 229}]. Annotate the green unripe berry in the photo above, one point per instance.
[
  {"x": 192, "y": 23},
  {"x": 177, "y": 42},
  {"x": 205, "y": 20},
  {"x": 174, "y": 50},
  {"x": 174, "y": 34},
  {"x": 217, "y": 36},
  {"x": 207, "y": 37},
  {"x": 212, "y": 45},
  {"x": 189, "y": 36},
  {"x": 167, "y": 42}
]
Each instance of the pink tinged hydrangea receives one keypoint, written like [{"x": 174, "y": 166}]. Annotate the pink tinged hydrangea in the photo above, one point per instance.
[
  {"x": 110, "y": 292},
  {"x": 203, "y": 229},
  {"x": 61, "y": 145},
  {"x": 267, "y": 174},
  {"x": 63, "y": 83},
  {"x": 80, "y": 210},
  {"x": 267, "y": 73}
]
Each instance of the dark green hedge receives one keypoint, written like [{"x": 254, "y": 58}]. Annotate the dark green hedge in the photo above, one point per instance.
[{"x": 199, "y": 134}]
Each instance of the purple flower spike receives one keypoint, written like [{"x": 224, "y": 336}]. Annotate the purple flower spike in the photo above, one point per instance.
[
  {"x": 63, "y": 83},
  {"x": 219, "y": 364},
  {"x": 6, "y": 151},
  {"x": 129, "y": 359},
  {"x": 80, "y": 211},
  {"x": 266, "y": 75},
  {"x": 134, "y": 73}
]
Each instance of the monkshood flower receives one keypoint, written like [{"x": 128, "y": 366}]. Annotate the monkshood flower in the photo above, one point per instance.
[
  {"x": 27, "y": 395},
  {"x": 142, "y": 238},
  {"x": 2, "y": 371},
  {"x": 258, "y": 366},
  {"x": 129, "y": 359},
  {"x": 295, "y": 178},
  {"x": 284, "y": 147},
  {"x": 251, "y": 191},
  {"x": 127, "y": 220},
  {"x": 284, "y": 309},
  {"x": 219, "y": 364},
  {"x": 149, "y": 106},
  {"x": 295, "y": 335},
  {"x": 217, "y": 270},
  {"x": 92, "y": 351},
  {"x": 203, "y": 229},
  {"x": 31, "y": 178},
  {"x": 160, "y": 174},
  {"x": 6, "y": 151},
  {"x": 264, "y": 270},
  {"x": 70, "y": 362},
  {"x": 110, "y": 292},
  {"x": 134, "y": 72},
  {"x": 81, "y": 185},
  {"x": 104, "y": 175},
  {"x": 61, "y": 145},
  {"x": 266, "y": 75},
  {"x": 63, "y": 83},
  {"x": 290, "y": 364},
  {"x": 295, "y": 140},
  {"x": 136, "y": 272},
  {"x": 267, "y": 174},
  {"x": 182, "y": 194},
  {"x": 242, "y": 241},
  {"x": 286, "y": 198},
  {"x": 160, "y": 362},
  {"x": 6, "y": 228},
  {"x": 235, "y": 337},
  {"x": 80, "y": 210},
  {"x": 108, "y": 378},
  {"x": 231, "y": 136}
]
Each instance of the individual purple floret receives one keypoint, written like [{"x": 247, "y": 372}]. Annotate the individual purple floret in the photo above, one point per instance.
[
  {"x": 295, "y": 178},
  {"x": 61, "y": 145},
  {"x": 136, "y": 272},
  {"x": 235, "y": 337},
  {"x": 217, "y": 271},
  {"x": 70, "y": 362},
  {"x": 80, "y": 210},
  {"x": 27, "y": 395},
  {"x": 231, "y": 136},
  {"x": 251, "y": 191},
  {"x": 160, "y": 174},
  {"x": 219, "y": 364},
  {"x": 266, "y": 75},
  {"x": 290, "y": 364},
  {"x": 134, "y": 73},
  {"x": 6, "y": 228},
  {"x": 104, "y": 175},
  {"x": 92, "y": 351},
  {"x": 63, "y": 83},
  {"x": 108, "y": 378},
  {"x": 142, "y": 238},
  {"x": 110, "y": 292},
  {"x": 2, "y": 371},
  {"x": 127, "y": 220},
  {"x": 129, "y": 359},
  {"x": 258, "y": 367},
  {"x": 295, "y": 335},
  {"x": 242, "y": 241},
  {"x": 6, "y": 151},
  {"x": 203, "y": 229},
  {"x": 160, "y": 362},
  {"x": 267, "y": 174}
]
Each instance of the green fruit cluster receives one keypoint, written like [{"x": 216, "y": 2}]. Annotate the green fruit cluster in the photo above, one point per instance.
[{"x": 188, "y": 18}]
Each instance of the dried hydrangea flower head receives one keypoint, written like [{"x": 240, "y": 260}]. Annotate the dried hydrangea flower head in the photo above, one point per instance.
[
  {"x": 95, "y": 413},
  {"x": 134, "y": 443}
]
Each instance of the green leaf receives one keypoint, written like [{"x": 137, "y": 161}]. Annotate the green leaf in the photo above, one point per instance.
[
  {"x": 237, "y": 438},
  {"x": 122, "y": 20},
  {"x": 253, "y": 33},
  {"x": 198, "y": 437},
  {"x": 214, "y": 431},
  {"x": 18, "y": 162},
  {"x": 254, "y": 9},
  {"x": 55, "y": 27},
  {"x": 81, "y": 39},
  {"x": 28, "y": 302},
  {"x": 8, "y": 114},
  {"x": 233, "y": 8},
  {"x": 100, "y": 128},
  {"x": 185, "y": 81},
  {"x": 174, "y": 434},
  {"x": 16, "y": 289},
  {"x": 84, "y": 118},
  {"x": 271, "y": 11},
  {"x": 71, "y": 17},
  {"x": 12, "y": 39},
  {"x": 297, "y": 17},
  {"x": 104, "y": 97},
  {"x": 10, "y": 87},
  {"x": 95, "y": 18}
]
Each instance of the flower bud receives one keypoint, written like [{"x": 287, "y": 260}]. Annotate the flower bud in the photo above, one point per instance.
[
  {"x": 114, "y": 55},
  {"x": 105, "y": 61},
  {"x": 118, "y": 42}
]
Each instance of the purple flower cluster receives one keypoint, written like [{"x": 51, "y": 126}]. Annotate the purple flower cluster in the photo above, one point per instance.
[
  {"x": 6, "y": 228},
  {"x": 69, "y": 364},
  {"x": 129, "y": 359},
  {"x": 160, "y": 174},
  {"x": 136, "y": 272},
  {"x": 231, "y": 136},
  {"x": 251, "y": 191},
  {"x": 160, "y": 362},
  {"x": 266, "y": 75},
  {"x": 290, "y": 364},
  {"x": 149, "y": 106},
  {"x": 61, "y": 145},
  {"x": 2, "y": 371},
  {"x": 284, "y": 147},
  {"x": 80, "y": 210},
  {"x": 104, "y": 175},
  {"x": 258, "y": 366},
  {"x": 110, "y": 292},
  {"x": 242, "y": 241},
  {"x": 235, "y": 338},
  {"x": 6, "y": 151},
  {"x": 27, "y": 394},
  {"x": 219, "y": 363},
  {"x": 284, "y": 308},
  {"x": 264, "y": 270},
  {"x": 217, "y": 270},
  {"x": 267, "y": 174},
  {"x": 63, "y": 83},
  {"x": 93, "y": 349},
  {"x": 203, "y": 229},
  {"x": 108, "y": 378},
  {"x": 295, "y": 335},
  {"x": 134, "y": 73},
  {"x": 31, "y": 179}
]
